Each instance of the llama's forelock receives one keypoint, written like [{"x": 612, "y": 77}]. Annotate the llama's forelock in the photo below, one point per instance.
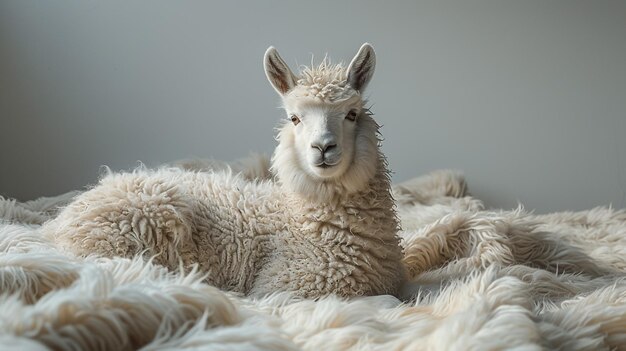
[{"x": 325, "y": 81}]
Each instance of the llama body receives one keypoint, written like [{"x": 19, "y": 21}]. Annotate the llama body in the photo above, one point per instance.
[{"x": 326, "y": 225}]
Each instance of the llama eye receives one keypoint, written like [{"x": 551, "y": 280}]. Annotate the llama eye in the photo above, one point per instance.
[
  {"x": 295, "y": 120},
  {"x": 351, "y": 116}
]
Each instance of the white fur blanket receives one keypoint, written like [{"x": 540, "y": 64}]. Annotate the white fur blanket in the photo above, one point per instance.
[{"x": 483, "y": 280}]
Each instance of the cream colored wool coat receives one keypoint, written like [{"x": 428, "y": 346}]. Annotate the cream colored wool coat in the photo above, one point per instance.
[
  {"x": 53, "y": 301},
  {"x": 327, "y": 225},
  {"x": 250, "y": 237}
]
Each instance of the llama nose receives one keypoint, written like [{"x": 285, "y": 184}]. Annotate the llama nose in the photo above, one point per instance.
[{"x": 324, "y": 147}]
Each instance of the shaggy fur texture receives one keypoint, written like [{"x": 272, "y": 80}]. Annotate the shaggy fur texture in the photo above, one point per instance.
[
  {"x": 326, "y": 225},
  {"x": 322, "y": 224},
  {"x": 465, "y": 291}
]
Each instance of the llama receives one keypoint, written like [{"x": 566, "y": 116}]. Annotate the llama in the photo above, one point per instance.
[{"x": 325, "y": 225}]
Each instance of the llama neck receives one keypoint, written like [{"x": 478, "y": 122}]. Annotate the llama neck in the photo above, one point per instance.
[
  {"x": 374, "y": 194},
  {"x": 367, "y": 213}
]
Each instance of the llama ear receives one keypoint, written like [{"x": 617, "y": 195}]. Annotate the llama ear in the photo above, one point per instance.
[
  {"x": 361, "y": 69},
  {"x": 277, "y": 72}
]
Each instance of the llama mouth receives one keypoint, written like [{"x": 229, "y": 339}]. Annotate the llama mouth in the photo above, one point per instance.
[{"x": 325, "y": 165}]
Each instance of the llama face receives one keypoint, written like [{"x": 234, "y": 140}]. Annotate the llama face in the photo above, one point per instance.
[
  {"x": 323, "y": 133},
  {"x": 328, "y": 137}
]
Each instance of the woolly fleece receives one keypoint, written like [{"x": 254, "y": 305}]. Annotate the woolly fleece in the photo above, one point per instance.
[
  {"x": 316, "y": 230},
  {"x": 473, "y": 294}
]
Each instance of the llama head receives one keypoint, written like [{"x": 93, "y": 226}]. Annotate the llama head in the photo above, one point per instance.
[{"x": 328, "y": 145}]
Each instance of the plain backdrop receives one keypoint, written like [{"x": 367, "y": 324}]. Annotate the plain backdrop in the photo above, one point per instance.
[{"x": 527, "y": 98}]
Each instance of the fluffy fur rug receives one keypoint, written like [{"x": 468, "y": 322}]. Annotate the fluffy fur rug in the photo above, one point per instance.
[{"x": 483, "y": 280}]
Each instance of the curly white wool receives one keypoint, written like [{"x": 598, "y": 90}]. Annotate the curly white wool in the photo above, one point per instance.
[{"x": 321, "y": 228}]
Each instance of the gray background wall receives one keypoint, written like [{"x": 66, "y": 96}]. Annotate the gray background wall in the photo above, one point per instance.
[{"x": 528, "y": 98}]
